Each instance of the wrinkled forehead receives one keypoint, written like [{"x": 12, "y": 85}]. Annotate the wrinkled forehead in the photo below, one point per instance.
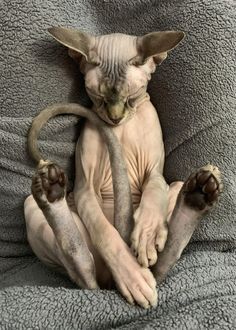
[
  {"x": 114, "y": 52},
  {"x": 117, "y": 47}
]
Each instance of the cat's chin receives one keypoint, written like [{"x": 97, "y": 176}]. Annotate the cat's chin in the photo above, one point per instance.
[
  {"x": 102, "y": 114},
  {"x": 107, "y": 120},
  {"x": 111, "y": 123},
  {"x": 128, "y": 116}
]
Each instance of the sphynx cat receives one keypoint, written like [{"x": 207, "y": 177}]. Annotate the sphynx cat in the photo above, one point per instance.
[{"x": 117, "y": 69}]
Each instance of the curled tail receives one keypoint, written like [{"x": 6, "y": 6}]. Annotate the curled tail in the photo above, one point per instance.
[
  {"x": 50, "y": 112},
  {"x": 123, "y": 206}
]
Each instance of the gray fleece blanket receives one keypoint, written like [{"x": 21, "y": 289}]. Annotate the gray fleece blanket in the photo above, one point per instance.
[{"x": 194, "y": 93}]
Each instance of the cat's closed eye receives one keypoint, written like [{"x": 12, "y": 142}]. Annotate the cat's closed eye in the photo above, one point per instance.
[
  {"x": 135, "y": 95},
  {"x": 93, "y": 93},
  {"x": 138, "y": 92}
]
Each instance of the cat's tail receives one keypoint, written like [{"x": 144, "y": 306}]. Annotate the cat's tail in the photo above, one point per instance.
[{"x": 53, "y": 111}]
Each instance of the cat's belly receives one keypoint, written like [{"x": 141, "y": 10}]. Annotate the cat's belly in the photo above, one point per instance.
[
  {"x": 106, "y": 195},
  {"x": 107, "y": 204}
]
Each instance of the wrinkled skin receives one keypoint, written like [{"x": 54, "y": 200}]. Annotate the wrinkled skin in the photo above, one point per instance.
[{"x": 77, "y": 235}]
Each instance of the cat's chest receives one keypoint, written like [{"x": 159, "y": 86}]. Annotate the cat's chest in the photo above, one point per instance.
[
  {"x": 142, "y": 148},
  {"x": 142, "y": 145},
  {"x": 136, "y": 160}
]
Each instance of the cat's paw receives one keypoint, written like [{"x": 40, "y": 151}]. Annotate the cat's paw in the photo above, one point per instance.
[
  {"x": 48, "y": 184},
  {"x": 148, "y": 237},
  {"x": 134, "y": 282},
  {"x": 202, "y": 189}
]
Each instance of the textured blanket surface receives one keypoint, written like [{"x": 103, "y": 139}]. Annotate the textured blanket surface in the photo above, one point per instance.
[
  {"x": 200, "y": 293},
  {"x": 194, "y": 93}
]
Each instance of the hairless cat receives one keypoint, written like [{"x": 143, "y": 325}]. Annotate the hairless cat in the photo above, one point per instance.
[{"x": 77, "y": 235}]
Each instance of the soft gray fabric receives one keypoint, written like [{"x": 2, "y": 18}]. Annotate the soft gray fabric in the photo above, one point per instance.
[
  {"x": 194, "y": 92},
  {"x": 198, "y": 294}
]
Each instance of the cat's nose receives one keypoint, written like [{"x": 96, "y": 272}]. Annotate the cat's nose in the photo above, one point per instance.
[{"x": 116, "y": 121}]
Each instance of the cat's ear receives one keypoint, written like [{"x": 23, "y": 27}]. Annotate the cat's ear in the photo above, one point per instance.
[
  {"x": 156, "y": 45},
  {"x": 78, "y": 42}
]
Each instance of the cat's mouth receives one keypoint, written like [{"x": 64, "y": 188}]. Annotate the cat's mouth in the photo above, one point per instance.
[
  {"x": 111, "y": 121},
  {"x": 114, "y": 119}
]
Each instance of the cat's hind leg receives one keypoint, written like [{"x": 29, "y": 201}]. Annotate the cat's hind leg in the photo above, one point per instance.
[
  {"x": 198, "y": 195},
  {"x": 55, "y": 233}
]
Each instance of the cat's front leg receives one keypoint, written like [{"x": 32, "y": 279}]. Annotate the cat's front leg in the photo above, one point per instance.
[
  {"x": 135, "y": 283},
  {"x": 150, "y": 227}
]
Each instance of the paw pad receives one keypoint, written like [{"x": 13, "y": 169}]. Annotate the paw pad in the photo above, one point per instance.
[
  {"x": 202, "y": 188},
  {"x": 50, "y": 181}
]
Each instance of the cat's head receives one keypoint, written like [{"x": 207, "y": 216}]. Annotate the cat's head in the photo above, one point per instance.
[{"x": 117, "y": 67}]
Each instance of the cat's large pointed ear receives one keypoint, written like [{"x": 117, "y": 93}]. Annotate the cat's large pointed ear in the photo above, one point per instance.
[
  {"x": 157, "y": 45},
  {"x": 77, "y": 41}
]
